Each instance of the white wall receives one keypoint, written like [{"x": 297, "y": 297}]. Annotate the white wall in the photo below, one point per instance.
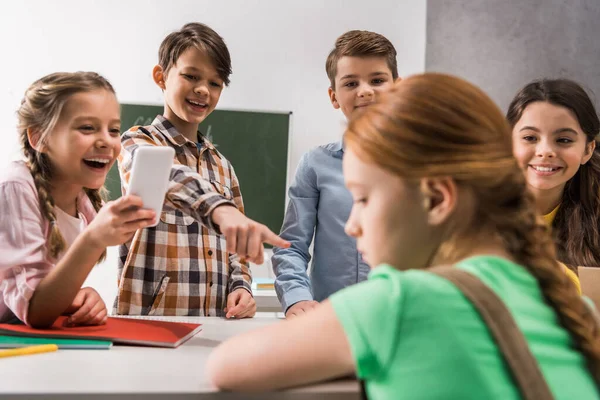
[{"x": 278, "y": 51}]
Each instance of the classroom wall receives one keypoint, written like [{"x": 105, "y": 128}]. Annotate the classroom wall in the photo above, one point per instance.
[
  {"x": 502, "y": 45},
  {"x": 278, "y": 51}
]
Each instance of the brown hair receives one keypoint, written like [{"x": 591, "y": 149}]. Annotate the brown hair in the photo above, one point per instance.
[
  {"x": 204, "y": 39},
  {"x": 438, "y": 125},
  {"x": 577, "y": 222},
  {"x": 361, "y": 44},
  {"x": 41, "y": 109}
]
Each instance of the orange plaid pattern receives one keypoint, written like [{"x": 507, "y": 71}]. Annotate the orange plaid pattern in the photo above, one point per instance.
[{"x": 180, "y": 266}]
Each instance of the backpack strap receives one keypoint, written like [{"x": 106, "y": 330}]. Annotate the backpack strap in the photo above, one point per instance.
[{"x": 511, "y": 342}]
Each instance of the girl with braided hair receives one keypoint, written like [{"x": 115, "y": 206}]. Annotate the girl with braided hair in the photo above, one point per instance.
[
  {"x": 53, "y": 225},
  {"x": 431, "y": 170}
]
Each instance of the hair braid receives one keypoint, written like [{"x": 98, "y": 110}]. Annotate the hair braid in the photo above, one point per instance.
[
  {"x": 41, "y": 173},
  {"x": 526, "y": 237}
]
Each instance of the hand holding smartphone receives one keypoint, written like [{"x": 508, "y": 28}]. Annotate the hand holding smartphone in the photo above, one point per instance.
[{"x": 150, "y": 176}]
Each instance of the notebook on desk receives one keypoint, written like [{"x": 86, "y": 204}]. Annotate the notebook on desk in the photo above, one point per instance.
[
  {"x": 11, "y": 342},
  {"x": 263, "y": 283},
  {"x": 144, "y": 332}
]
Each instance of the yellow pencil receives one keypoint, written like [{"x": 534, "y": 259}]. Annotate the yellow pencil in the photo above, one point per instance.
[{"x": 22, "y": 351}]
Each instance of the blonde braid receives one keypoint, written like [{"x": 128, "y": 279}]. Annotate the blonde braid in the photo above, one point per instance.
[{"x": 41, "y": 174}]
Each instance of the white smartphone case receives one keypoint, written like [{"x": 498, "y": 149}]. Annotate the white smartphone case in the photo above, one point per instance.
[{"x": 150, "y": 176}]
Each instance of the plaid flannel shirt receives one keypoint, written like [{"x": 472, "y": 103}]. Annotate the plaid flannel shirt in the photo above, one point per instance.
[{"x": 180, "y": 266}]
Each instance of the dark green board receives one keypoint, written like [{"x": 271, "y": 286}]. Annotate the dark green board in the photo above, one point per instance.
[{"x": 256, "y": 143}]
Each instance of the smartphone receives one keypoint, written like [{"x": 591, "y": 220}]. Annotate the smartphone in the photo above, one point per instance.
[{"x": 150, "y": 176}]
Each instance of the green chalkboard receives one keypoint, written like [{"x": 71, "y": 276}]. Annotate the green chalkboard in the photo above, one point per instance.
[{"x": 256, "y": 143}]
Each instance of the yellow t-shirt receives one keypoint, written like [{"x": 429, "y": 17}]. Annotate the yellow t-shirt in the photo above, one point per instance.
[{"x": 549, "y": 218}]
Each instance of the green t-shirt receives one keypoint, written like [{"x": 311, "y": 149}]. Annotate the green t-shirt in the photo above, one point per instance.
[{"x": 414, "y": 335}]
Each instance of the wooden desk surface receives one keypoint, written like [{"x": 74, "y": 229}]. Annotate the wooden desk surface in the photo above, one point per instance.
[{"x": 125, "y": 372}]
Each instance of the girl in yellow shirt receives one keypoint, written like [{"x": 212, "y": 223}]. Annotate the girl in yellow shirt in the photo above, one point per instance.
[{"x": 555, "y": 126}]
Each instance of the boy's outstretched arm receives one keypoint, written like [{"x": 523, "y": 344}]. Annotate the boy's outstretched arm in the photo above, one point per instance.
[
  {"x": 194, "y": 195},
  {"x": 243, "y": 235}
]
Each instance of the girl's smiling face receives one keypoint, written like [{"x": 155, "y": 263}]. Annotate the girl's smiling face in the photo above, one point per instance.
[
  {"x": 85, "y": 142},
  {"x": 550, "y": 146}
]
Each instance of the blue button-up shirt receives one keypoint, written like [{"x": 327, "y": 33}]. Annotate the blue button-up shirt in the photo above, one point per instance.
[{"x": 319, "y": 204}]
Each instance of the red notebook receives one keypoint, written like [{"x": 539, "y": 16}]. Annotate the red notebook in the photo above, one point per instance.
[{"x": 144, "y": 332}]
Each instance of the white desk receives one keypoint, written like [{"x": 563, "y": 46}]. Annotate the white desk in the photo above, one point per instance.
[{"x": 125, "y": 372}]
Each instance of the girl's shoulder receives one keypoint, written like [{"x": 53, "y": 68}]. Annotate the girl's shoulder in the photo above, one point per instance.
[
  {"x": 18, "y": 192},
  {"x": 17, "y": 172},
  {"x": 506, "y": 278}
]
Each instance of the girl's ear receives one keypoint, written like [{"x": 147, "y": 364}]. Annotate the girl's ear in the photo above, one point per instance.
[
  {"x": 333, "y": 98},
  {"x": 33, "y": 136},
  {"x": 439, "y": 198},
  {"x": 589, "y": 151},
  {"x": 158, "y": 76}
]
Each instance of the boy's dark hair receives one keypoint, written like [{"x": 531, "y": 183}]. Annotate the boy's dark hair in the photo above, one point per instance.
[
  {"x": 361, "y": 44},
  {"x": 578, "y": 218},
  {"x": 203, "y": 38}
]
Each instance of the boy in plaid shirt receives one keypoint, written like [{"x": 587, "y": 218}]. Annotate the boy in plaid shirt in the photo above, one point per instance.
[{"x": 183, "y": 266}]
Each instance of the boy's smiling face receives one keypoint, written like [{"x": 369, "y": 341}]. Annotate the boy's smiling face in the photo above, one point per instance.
[
  {"x": 358, "y": 82},
  {"x": 192, "y": 88}
]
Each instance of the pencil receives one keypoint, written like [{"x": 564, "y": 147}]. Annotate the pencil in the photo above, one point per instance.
[{"x": 22, "y": 351}]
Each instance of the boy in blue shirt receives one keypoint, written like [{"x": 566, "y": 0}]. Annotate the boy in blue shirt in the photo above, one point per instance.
[{"x": 361, "y": 65}]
